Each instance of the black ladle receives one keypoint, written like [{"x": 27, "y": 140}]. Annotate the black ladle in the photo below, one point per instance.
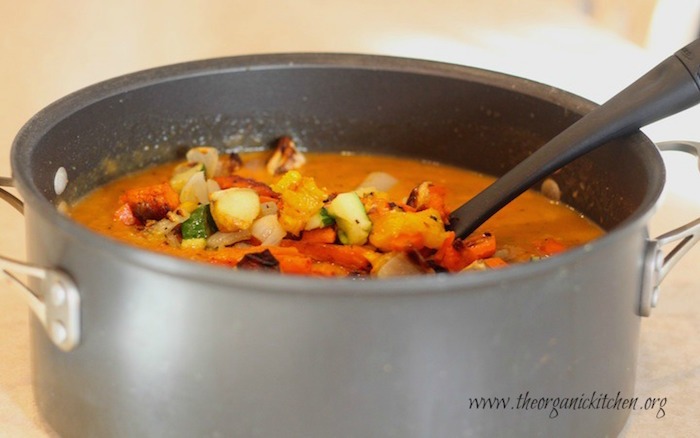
[{"x": 670, "y": 87}]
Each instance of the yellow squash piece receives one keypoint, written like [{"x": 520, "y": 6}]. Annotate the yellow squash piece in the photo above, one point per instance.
[
  {"x": 301, "y": 199},
  {"x": 397, "y": 230}
]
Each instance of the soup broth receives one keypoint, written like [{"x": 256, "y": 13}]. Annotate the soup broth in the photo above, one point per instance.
[{"x": 531, "y": 227}]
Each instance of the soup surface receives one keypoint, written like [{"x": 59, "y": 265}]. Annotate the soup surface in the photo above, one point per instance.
[{"x": 324, "y": 215}]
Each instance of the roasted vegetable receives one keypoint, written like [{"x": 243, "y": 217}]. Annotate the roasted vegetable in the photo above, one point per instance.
[
  {"x": 285, "y": 158},
  {"x": 397, "y": 230},
  {"x": 200, "y": 224},
  {"x": 301, "y": 199},
  {"x": 207, "y": 156},
  {"x": 259, "y": 261},
  {"x": 150, "y": 203},
  {"x": 179, "y": 179},
  {"x": 349, "y": 213},
  {"x": 320, "y": 220},
  {"x": 235, "y": 208}
]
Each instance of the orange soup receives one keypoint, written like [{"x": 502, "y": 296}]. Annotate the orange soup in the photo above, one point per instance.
[{"x": 323, "y": 214}]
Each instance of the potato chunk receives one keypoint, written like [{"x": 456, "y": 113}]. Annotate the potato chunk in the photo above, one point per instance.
[{"x": 235, "y": 208}]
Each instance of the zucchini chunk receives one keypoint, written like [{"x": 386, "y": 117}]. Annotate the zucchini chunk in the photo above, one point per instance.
[
  {"x": 349, "y": 213},
  {"x": 320, "y": 220},
  {"x": 199, "y": 225}
]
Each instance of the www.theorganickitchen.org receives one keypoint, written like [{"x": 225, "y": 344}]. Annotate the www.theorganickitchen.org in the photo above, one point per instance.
[{"x": 592, "y": 401}]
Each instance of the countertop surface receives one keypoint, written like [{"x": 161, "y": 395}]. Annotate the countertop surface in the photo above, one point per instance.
[{"x": 49, "y": 49}]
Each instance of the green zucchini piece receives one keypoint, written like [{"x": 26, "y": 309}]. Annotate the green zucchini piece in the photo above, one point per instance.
[
  {"x": 320, "y": 220},
  {"x": 199, "y": 225},
  {"x": 349, "y": 213}
]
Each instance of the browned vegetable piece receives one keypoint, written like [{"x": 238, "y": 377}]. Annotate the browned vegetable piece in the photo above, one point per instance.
[
  {"x": 456, "y": 254},
  {"x": 351, "y": 257},
  {"x": 259, "y": 261},
  {"x": 286, "y": 157},
  {"x": 262, "y": 189},
  {"x": 152, "y": 202},
  {"x": 429, "y": 195},
  {"x": 228, "y": 164}
]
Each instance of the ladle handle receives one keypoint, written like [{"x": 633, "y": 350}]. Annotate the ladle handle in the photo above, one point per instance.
[{"x": 670, "y": 87}]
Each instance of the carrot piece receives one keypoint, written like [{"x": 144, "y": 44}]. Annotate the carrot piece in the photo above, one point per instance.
[
  {"x": 480, "y": 247},
  {"x": 429, "y": 195},
  {"x": 295, "y": 264},
  {"x": 291, "y": 261},
  {"x": 319, "y": 235},
  {"x": 327, "y": 269},
  {"x": 436, "y": 200},
  {"x": 549, "y": 246},
  {"x": 350, "y": 257},
  {"x": 455, "y": 254},
  {"x": 448, "y": 257},
  {"x": 151, "y": 202}
]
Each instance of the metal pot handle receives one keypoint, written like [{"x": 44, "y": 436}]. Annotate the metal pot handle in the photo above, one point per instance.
[
  {"x": 657, "y": 262},
  {"x": 59, "y": 310}
]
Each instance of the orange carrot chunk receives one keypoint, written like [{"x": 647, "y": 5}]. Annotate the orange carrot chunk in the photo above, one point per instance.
[
  {"x": 319, "y": 235},
  {"x": 350, "y": 257},
  {"x": 456, "y": 254}
]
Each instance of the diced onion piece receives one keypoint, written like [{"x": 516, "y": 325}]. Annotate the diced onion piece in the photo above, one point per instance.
[
  {"x": 268, "y": 208},
  {"x": 195, "y": 190},
  {"x": 398, "y": 264},
  {"x": 221, "y": 239},
  {"x": 268, "y": 230},
  {"x": 206, "y": 155},
  {"x": 163, "y": 227},
  {"x": 235, "y": 208},
  {"x": 183, "y": 174},
  {"x": 380, "y": 181}
]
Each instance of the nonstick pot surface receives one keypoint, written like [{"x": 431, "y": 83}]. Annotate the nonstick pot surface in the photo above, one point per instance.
[{"x": 473, "y": 118}]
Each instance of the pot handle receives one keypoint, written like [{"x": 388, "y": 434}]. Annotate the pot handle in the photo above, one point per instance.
[
  {"x": 657, "y": 262},
  {"x": 59, "y": 310}
]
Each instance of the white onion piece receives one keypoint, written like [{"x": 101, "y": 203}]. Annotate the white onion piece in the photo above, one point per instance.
[
  {"x": 268, "y": 230},
  {"x": 163, "y": 226},
  {"x": 195, "y": 190},
  {"x": 221, "y": 239},
  {"x": 380, "y": 181},
  {"x": 172, "y": 240},
  {"x": 206, "y": 155},
  {"x": 268, "y": 208},
  {"x": 398, "y": 265}
]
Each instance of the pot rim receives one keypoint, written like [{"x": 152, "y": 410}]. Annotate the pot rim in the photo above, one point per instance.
[{"x": 51, "y": 115}]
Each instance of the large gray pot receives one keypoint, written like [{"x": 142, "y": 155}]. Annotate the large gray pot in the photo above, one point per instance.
[{"x": 131, "y": 343}]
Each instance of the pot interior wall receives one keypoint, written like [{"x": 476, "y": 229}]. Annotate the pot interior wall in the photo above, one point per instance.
[{"x": 479, "y": 120}]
